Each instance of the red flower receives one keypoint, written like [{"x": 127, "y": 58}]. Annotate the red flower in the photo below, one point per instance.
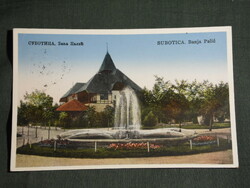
[
  {"x": 133, "y": 146},
  {"x": 204, "y": 138}
]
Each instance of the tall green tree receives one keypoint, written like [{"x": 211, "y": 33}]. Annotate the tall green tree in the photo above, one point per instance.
[
  {"x": 109, "y": 113},
  {"x": 39, "y": 99},
  {"x": 23, "y": 114},
  {"x": 177, "y": 107},
  {"x": 216, "y": 102},
  {"x": 37, "y": 107},
  {"x": 196, "y": 96},
  {"x": 63, "y": 118},
  {"x": 155, "y": 99},
  {"x": 90, "y": 116},
  {"x": 167, "y": 101}
]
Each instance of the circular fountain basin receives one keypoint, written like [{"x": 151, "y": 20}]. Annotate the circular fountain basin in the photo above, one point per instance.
[{"x": 123, "y": 135}]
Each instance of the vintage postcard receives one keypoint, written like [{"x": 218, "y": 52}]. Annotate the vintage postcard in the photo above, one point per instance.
[{"x": 132, "y": 98}]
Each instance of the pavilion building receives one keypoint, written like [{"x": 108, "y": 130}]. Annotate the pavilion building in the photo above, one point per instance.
[{"x": 101, "y": 90}]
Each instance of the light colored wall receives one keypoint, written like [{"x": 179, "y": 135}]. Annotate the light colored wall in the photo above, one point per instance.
[
  {"x": 110, "y": 97},
  {"x": 101, "y": 105},
  {"x": 71, "y": 97},
  {"x": 108, "y": 101},
  {"x": 98, "y": 106},
  {"x": 98, "y": 97}
]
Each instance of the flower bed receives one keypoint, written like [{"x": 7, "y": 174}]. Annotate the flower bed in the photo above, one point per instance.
[
  {"x": 105, "y": 152},
  {"x": 204, "y": 140},
  {"x": 129, "y": 146}
]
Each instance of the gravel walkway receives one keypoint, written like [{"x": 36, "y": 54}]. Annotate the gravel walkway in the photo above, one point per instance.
[
  {"x": 220, "y": 157},
  {"x": 36, "y": 134}
]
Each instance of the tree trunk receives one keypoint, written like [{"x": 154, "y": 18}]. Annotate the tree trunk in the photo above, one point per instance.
[
  {"x": 180, "y": 127},
  {"x": 211, "y": 123}
]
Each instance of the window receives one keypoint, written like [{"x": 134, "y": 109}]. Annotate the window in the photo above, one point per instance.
[
  {"x": 93, "y": 99},
  {"x": 104, "y": 96}
]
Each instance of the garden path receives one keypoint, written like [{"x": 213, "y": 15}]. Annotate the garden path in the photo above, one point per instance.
[{"x": 220, "y": 157}]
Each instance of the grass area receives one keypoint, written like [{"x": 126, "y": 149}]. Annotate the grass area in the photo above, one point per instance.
[
  {"x": 187, "y": 126},
  {"x": 192, "y": 126},
  {"x": 68, "y": 128},
  {"x": 215, "y": 126},
  {"x": 182, "y": 149}
]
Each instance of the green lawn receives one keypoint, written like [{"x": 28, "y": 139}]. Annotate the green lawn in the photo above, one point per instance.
[{"x": 192, "y": 126}]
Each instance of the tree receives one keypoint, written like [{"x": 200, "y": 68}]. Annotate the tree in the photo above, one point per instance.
[
  {"x": 109, "y": 114},
  {"x": 168, "y": 101},
  {"x": 23, "y": 114},
  {"x": 37, "y": 107},
  {"x": 216, "y": 102},
  {"x": 155, "y": 99},
  {"x": 195, "y": 96},
  {"x": 177, "y": 107},
  {"x": 90, "y": 116},
  {"x": 222, "y": 95},
  {"x": 184, "y": 101},
  {"x": 39, "y": 99},
  {"x": 48, "y": 116},
  {"x": 63, "y": 117},
  {"x": 150, "y": 120}
]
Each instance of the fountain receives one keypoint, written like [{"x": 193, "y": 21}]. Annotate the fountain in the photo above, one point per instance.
[
  {"x": 127, "y": 120},
  {"x": 127, "y": 124}
]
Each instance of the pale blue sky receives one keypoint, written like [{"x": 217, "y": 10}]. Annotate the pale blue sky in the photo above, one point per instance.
[{"x": 55, "y": 68}]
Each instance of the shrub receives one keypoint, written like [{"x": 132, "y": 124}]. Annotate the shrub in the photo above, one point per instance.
[{"x": 150, "y": 120}]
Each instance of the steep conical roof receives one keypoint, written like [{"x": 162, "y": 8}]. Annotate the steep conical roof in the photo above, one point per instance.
[
  {"x": 103, "y": 81},
  {"x": 107, "y": 64}
]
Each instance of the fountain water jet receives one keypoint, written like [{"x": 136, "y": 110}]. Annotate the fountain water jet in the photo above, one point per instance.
[
  {"x": 127, "y": 124},
  {"x": 127, "y": 110}
]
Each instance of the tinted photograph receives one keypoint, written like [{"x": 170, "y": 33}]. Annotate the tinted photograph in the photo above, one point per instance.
[{"x": 144, "y": 98}]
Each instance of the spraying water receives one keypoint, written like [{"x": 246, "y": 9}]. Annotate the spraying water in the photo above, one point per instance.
[
  {"x": 127, "y": 110},
  {"x": 127, "y": 123}
]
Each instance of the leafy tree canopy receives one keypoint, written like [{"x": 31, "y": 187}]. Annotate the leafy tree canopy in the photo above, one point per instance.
[
  {"x": 38, "y": 98},
  {"x": 184, "y": 101}
]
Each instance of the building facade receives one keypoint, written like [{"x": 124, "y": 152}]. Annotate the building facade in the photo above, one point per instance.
[{"x": 101, "y": 90}]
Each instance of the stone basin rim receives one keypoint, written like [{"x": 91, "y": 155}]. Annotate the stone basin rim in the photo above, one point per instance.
[{"x": 132, "y": 140}]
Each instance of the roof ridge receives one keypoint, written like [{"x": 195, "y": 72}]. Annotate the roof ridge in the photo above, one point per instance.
[
  {"x": 73, "y": 105},
  {"x": 107, "y": 64},
  {"x": 78, "y": 103}
]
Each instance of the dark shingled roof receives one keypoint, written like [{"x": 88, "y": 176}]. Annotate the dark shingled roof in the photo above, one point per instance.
[
  {"x": 107, "y": 64},
  {"x": 73, "y": 90},
  {"x": 103, "y": 81}
]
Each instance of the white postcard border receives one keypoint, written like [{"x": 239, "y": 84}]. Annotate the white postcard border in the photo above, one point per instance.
[{"x": 226, "y": 29}]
